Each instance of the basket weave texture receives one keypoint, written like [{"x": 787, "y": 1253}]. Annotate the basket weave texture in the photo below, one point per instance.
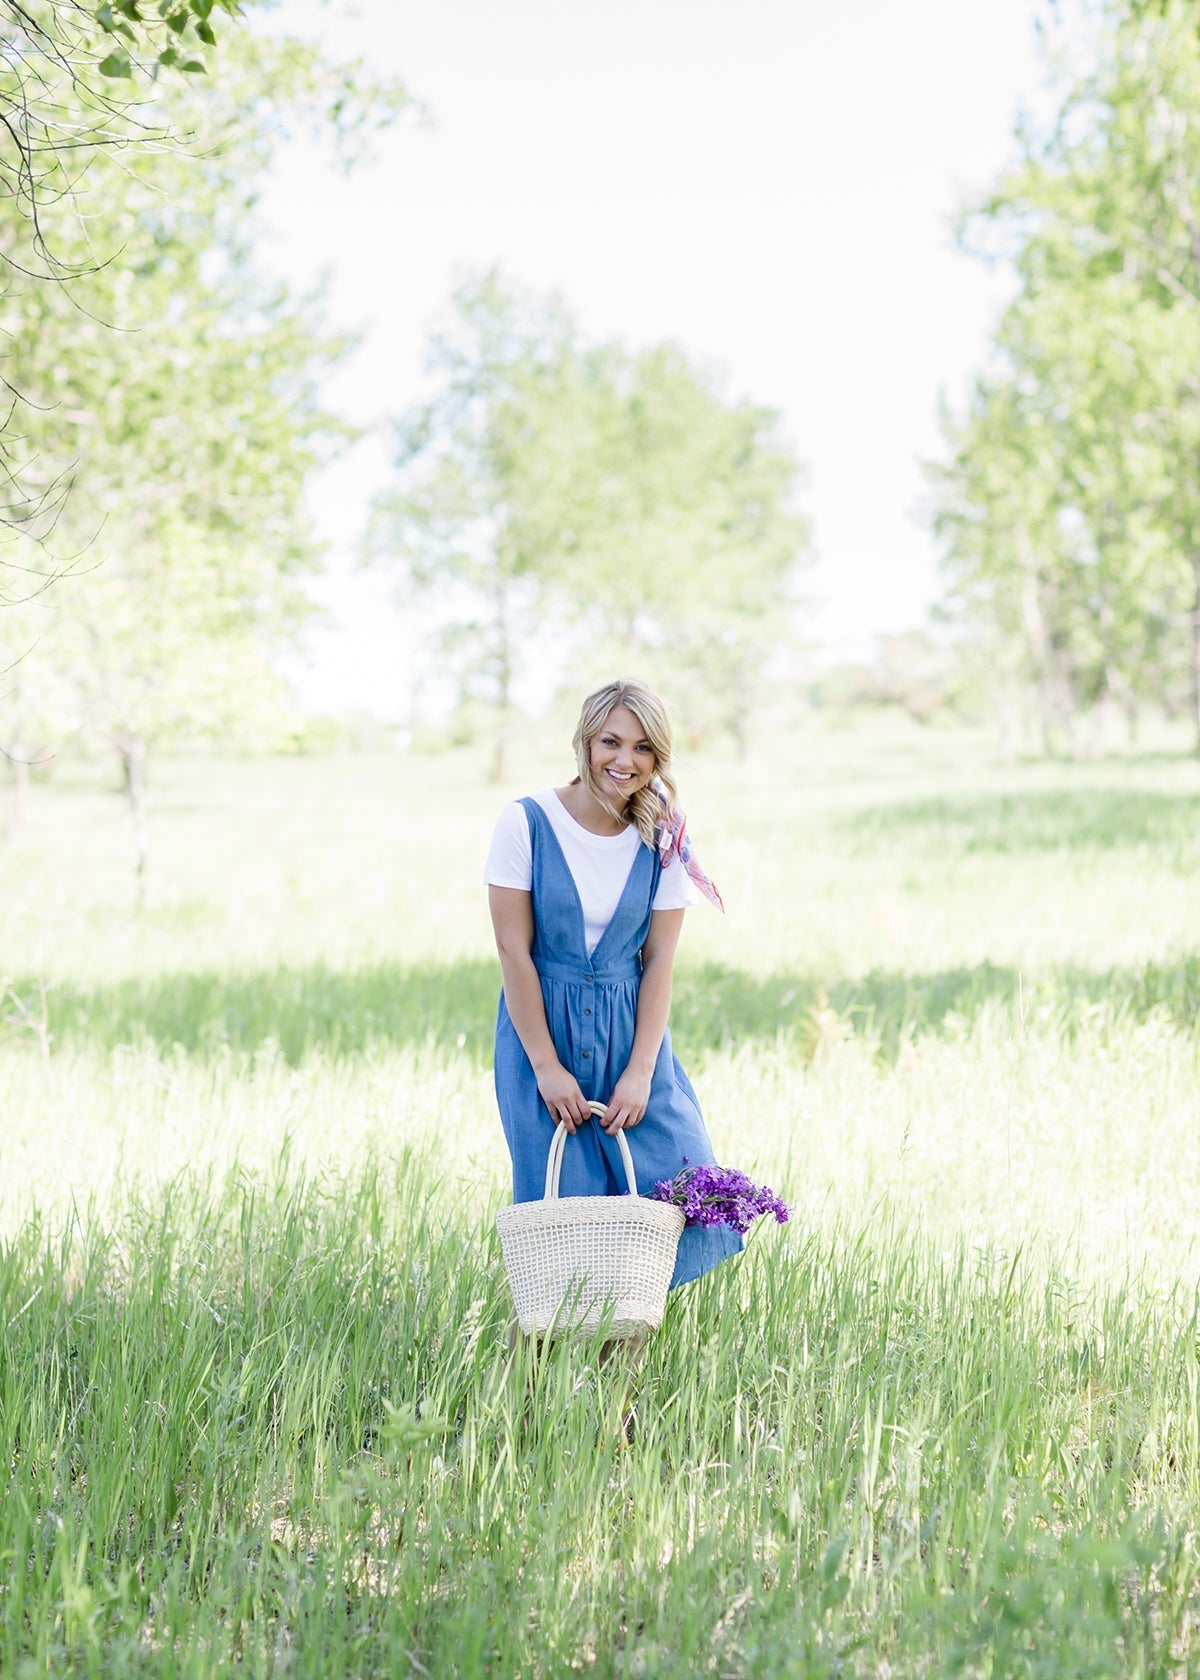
[{"x": 577, "y": 1262}]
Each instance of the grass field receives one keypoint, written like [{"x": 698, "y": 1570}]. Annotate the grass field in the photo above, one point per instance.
[{"x": 253, "y": 1386}]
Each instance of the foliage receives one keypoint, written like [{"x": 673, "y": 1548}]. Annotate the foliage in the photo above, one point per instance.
[
  {"x": 86, "y": 85},
  {"x": 477, "y": 515},
  {"x": 1068, "y": 506},
  {"x": 694, "y": 542},
  {"x": 553, "y": 494},
  {"x": 59, "y": 103},
  {"x": 176, "y": 395},
  {"x": 164, "y": 31}
]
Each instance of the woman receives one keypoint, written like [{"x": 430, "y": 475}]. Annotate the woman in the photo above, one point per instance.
[{"x": 587, "y": 886}]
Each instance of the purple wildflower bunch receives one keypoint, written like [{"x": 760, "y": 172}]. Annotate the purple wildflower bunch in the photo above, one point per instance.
[{"x": 720, "y": 1196}]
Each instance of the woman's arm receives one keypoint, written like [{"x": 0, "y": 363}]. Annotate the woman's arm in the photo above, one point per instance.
[
  {"x": 628, "y": 1102},
  {"x": 512, "y": 919}
]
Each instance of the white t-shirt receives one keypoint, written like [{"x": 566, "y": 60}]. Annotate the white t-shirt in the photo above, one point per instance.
[{"x": 599, "y": 864}]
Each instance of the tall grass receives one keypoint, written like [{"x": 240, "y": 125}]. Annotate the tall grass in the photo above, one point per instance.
[
  {"x": 270, "y": 1421},
  {"x": 256, "y": 1397}
]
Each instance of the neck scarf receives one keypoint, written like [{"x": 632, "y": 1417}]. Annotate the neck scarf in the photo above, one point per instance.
[{"x": 674, "y": 842}]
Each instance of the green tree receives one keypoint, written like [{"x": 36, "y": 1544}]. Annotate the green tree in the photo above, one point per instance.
[
  {"x": 180, "y": 393},
  {"x": 477, "y": 519},
  {"x": 1050, "y": 506},
  {"x": 63, "y": 73},
  {"x": 63, "y": 65},
  {"x": 694, "y": 540},
  {"x": 1070, "y": 506},
  {"x": 552, "y": 493},
  {"x": 88, "y": 83}
]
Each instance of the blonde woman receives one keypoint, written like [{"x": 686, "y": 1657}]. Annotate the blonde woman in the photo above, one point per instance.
[{"x": 587, "y": 886}]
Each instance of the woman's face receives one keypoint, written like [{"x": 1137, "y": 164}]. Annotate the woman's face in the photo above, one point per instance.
[{"x": 621, "y": 757}]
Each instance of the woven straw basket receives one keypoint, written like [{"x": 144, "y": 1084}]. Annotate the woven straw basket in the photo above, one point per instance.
[{"x": 578, "y": 1262}]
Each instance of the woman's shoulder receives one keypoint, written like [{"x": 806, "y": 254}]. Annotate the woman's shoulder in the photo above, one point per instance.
[
  {"x": 514, "y": 818},
  {"x": 544, "y": 799},
  {"x": 511, "y": 850}
]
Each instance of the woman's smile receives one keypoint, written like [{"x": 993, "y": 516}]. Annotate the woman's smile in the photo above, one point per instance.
[{"x": 621, "y": 754}]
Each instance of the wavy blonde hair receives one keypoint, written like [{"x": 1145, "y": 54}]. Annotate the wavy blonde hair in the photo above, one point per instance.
[{"x": 644, "y": 810}]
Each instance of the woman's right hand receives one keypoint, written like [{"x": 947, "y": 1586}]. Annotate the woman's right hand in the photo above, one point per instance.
[{"x": 561, "y": 1094}]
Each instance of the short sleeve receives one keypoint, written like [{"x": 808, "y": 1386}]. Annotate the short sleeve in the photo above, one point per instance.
[
  {"x": 675, "y": 890},
  {"x": 510, "y": 859}
]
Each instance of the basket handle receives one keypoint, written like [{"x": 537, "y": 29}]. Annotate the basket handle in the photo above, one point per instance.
[{"x": 559, "y": 1142}]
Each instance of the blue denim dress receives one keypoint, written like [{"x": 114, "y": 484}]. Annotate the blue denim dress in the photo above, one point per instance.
[{"x": 591, "y": 1009}]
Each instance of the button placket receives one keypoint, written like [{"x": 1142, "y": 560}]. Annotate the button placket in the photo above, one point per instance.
[{"x": 587, "y": 1044}]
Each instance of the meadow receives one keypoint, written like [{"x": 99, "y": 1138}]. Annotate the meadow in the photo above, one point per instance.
[{"x": 257, "y": 1405}]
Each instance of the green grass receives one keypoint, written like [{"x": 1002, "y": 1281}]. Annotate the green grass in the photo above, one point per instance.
[
  {"x": 254, "y": 1384},
  {"x": 269, "y": 1418}
]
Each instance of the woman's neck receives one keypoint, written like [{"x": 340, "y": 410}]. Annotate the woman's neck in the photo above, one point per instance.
[{"x": 588, "y": 812}]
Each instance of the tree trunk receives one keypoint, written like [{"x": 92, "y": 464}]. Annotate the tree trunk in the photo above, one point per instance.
[
  {"x": 133, "y": 766},
  {"x": 498, "y": 750},
  {"x": 1122, "y": 692},
  {"x": 504, "y": 674},
  {"x": 1037, "y": 642},
  {"x": 1064, "y": 702}
]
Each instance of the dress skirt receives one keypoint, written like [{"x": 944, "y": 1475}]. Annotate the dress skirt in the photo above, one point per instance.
[{"x": 591, "y": 1011}]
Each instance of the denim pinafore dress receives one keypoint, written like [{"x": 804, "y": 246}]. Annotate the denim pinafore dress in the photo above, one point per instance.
[{"x": 591, "y": 1011}]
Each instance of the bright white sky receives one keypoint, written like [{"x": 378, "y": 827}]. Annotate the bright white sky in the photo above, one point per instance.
[{"x": 769, "y": 182}]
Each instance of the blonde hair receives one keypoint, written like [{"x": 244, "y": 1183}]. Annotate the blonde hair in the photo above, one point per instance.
[{"x": 644, "y": 810}]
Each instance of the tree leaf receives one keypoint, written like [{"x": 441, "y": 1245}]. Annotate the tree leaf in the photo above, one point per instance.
[
  {"x": 206, "y": 32},
  {"x": 116, "y": 64}
]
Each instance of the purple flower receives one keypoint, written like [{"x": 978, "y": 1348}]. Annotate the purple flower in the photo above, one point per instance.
[{"x": 709, "y": 1196}]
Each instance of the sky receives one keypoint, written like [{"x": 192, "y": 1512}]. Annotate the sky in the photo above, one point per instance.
[{"x": 769, "y": 183}]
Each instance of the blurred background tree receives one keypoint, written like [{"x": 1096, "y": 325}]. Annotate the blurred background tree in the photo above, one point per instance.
[
  {"x": 67, "y": 94},
  {"x": 176, "y": 393},
  {"x": 553, "y": 495},
  {"x": 1069, "y": 506}
]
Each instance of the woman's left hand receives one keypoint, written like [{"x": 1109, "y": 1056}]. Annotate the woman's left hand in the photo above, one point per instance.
[{"x": 628, "y": 1102}]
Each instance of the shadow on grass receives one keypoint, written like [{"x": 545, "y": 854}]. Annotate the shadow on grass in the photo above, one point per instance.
[
  {"x": 347, "y": 1014},
  {"x": 1077, "y": 819}
]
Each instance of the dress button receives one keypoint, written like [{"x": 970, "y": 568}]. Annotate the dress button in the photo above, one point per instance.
[
  {"x": 586, "y": 1054},
  {"x": 587, "y": 1012},
  {"x": 589, "y": 978}
]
